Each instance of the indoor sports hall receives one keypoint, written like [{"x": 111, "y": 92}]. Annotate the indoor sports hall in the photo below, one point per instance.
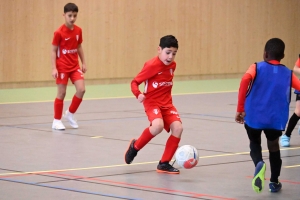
[{"x": 218, "y": 41}]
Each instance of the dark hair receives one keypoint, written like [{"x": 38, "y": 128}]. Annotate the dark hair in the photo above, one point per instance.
[
  {"x": 168, "y": 41},
  {"x": 70, "y": 7},
  {"x": 275, "y": 48}
]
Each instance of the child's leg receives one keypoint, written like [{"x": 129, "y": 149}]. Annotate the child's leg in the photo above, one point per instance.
[
  {"x": 274, "y": 153},
  {"x": 171, "y": 122},
  {"x": 58, "y": 107},
  {"x": 172, "y": 142},
  {"x": 293, "y": 120},
  {"x": 254, "y": 136},
  {"x": 149, "y": 133},
  {"x": 77, "y": 98},
  {"x": 157, "y": 124},
  {"x": 258, "y": 181},
  {"x": 275, "y": 159},
  {"x": 59, "y": 101}
]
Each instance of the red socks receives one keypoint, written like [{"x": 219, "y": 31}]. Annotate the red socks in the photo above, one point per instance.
[
  {"x": 59, "y": 104},
  {"x": 143, "y": 139},
  {"x": 170, "y": 149},
  {"x": 74, "y": 104},
  {"x": 58, "y": 108}
]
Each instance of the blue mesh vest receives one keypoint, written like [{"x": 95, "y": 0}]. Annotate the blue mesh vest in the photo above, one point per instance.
[{"x": 268, "y": 98}]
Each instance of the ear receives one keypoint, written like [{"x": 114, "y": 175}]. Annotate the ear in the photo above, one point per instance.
[
  {"x": 159, "y": 49},
  {"x": 265, "y": 55}
]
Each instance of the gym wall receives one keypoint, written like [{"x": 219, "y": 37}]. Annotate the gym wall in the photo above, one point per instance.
[{"x": 217, "y": 38}]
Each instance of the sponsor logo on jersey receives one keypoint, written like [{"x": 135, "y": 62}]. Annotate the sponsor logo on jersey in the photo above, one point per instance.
[
  {"x": 67, "y": 38},
  {"x": 165, "y": 83},
  {"x": 155, "y": 84},
  {"x": 155, "y": 111},
  {"x": 71, "y": 51},
  {"x": 159, "y": 73}
]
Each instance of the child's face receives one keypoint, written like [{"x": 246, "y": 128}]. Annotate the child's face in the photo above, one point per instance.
[
  {"x": 70, "y": 18},
  {"x": 167, "y": 55}
]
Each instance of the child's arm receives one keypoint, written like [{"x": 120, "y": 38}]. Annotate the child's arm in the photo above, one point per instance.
[
  {"x": 296, "y": 69},
  {"x": 245, "y": 82},
  {"x": 53, "y": 61},
  {"x": 146, "y": 73},
  {"x": 136, "y": 91},
  {"x": 81, "y": 56},
  {"x": 295, "y": 82}
]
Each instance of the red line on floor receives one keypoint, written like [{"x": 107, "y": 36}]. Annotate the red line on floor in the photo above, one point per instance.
[
  {"x": 193, "y": 194},
  {"x": 283, "y": 181},
  {"x": 25, "y": 174}
]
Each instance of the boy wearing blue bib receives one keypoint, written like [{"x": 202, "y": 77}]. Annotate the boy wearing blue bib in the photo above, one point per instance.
[{"x": 263, "y": 105}]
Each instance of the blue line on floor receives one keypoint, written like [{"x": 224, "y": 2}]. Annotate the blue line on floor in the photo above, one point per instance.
[{"x": 68, "y": 189}]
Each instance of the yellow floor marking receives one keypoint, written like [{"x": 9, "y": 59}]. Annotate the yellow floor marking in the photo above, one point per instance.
[
  {"x": 292, "y": 166},
  {"x": 122, "y": 97},
  {"x": 133, "y": 164},
  {"x": 97, "y": 137}
]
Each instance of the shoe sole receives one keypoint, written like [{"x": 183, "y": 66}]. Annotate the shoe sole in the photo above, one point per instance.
[
  {"x": 127, "y": 150},
  {"x": 274, "y": 191},
  {"x": 258, "y": 181},
  {"x": 58, "y": 129},
  {"x": 162, "y": 171}
]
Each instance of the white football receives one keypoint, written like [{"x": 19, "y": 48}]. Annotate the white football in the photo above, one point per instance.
[{"x": 187, "y": 156}]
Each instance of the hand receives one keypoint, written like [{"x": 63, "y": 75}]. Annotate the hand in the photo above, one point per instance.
[
  {"x": 84, "y": 69},
  {"x": 54, "y": 73},
  {"x": 141, "y": 98},
  {"x": 239, "y": 117}
]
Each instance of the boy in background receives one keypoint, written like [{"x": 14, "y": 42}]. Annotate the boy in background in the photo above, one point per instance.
[
  {"x": 285, "y": 139},
  {"x": 263, "y": 105},
  {"x": 66, "y": 46},
  {"x": 158, "y": 74}
]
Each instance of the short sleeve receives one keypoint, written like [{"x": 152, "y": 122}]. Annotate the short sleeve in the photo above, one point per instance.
[
  {"x": 80, "y": 37},
  {"x": 56, "y": 39}
]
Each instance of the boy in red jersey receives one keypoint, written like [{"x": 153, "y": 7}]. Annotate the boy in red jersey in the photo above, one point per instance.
[
  {"x": 66, "y": 46},
  {"x": 158, "y": 74}
]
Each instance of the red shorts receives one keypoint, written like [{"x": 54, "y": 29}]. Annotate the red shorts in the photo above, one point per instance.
[
  {"x": 63, "y": 77},
  {"x": 169, "y": 115}
]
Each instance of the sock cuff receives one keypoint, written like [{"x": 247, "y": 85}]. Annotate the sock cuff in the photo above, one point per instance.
[
  {"x": 174, "y": 139},
  {"x": 76, "y": 98},
  {"x": 58, "y": 100}
]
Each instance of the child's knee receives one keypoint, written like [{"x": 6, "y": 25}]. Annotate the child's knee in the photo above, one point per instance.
[
  {"x": 177, "y": 130},
  {"x": 273, "y": 146},
  {"x": 157, "y": 127}
]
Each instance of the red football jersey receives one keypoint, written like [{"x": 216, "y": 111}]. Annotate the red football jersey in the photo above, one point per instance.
[
  {"x": 158, "y": 79},
  {"x": 67, "y": 41}
]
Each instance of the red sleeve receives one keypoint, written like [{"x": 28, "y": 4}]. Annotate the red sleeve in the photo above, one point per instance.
[
  {"x": 135, "y": 88},
  {"x": 80, "y": 37},
  {"x": 298, "y": 62},
  {"x": 246, "y": 80},
  {"x": 56, "y": 38},
  {"x": 295, "y": 82},
  {"x": 146, "y": 73}
]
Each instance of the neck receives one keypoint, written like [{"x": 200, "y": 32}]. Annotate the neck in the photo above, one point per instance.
[{"x": 69, "y": 26}]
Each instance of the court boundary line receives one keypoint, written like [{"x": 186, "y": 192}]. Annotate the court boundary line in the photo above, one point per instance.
[
  {"x": 126, "y": 165},
  {"x": 121, "y": 97}
]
